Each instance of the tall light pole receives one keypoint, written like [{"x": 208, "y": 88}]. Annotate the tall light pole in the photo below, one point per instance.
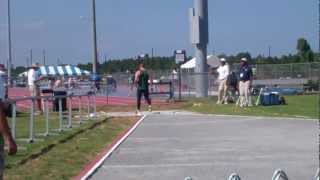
[
  {"x": 44, "y": 57},
  {"x": 27, "y": 60},
  {"x": 269, "y": 51},
  {"x": 31, "y": 57},
  {"x": 94, "y": 35},
  {"x": 200, "y": 40},
  {"x": 9, "y": 45}
]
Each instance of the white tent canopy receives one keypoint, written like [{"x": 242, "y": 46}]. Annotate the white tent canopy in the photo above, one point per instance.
[
  {"x": 212, "y": 60},
  {"x": 67, "y": 70}
]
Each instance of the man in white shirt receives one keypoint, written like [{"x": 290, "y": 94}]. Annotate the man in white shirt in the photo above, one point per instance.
[
  {"x": 33, "y": 79},
  {"x": 223, "y": 72}
]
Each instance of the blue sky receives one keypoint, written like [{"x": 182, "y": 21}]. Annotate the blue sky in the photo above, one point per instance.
[{"x": 130, "y": 27}]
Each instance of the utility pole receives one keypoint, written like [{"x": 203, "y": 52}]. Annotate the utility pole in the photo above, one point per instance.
[
  {"x": 269, "y": 51},
  {"x": 27, "y": 62},
  {"x": 9, "y": 45},
  {"x": 94, "y": 36},
  {"x": 200, "y": 40},
  {"x": 152, "y": 53},
  {"x": 31, "y": 57},
  {"x": 44, "y": 57},
  {"x": 105, "y": 58}
]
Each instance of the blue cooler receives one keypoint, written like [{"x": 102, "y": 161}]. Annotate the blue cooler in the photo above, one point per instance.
[
  {"x": 274, "y": 98},
  {"x": 266, "y": 99}
]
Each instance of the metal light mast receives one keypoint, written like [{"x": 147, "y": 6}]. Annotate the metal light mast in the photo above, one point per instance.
[
  {"x": 9, "y": 45},
  {"x": 94, "y": 33}
]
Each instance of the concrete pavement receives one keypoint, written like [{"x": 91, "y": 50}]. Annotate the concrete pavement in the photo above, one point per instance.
[{"x": 172, "y": 146}]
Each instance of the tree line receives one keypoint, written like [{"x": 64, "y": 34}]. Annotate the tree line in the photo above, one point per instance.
[{"x": 304, "y": 55}]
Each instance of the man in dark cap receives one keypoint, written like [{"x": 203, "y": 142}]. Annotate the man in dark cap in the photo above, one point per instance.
[{"x": 245, "y": 82}]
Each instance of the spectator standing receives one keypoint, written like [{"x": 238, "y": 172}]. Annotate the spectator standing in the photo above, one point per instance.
[
  {"x": 33, "y": 83},
  {"x": 245, "y": 82},
  {"x": 232, "y": 84},
  {"x": 175, "y": 76},
  {"x": 223, "y": 71},
  {"x": 51, "y": 83}
]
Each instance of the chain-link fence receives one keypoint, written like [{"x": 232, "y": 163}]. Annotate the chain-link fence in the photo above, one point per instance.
[
  {"x": 296, "y": 75},
  {"x": 287, "y": 71},
  {"x": 299, "y": 75}
]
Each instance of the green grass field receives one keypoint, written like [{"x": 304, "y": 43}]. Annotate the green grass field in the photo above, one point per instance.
[
  {"x": 61, "y": 156},
  {"x": 304, "y": 106}
]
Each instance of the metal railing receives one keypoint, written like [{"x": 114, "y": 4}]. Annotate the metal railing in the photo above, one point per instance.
[{"x": 62, "y": 115}]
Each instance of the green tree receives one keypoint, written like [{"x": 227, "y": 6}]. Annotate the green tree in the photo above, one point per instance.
[
  {"x": 304, "y": 51},
  {"x": 20, "y": 69}
]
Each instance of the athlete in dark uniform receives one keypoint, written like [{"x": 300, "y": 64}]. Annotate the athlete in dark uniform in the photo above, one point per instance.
[{"x": 142, "y": 81}]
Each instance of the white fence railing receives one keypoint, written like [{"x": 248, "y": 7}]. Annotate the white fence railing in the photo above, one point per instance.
[{"x": 62, "y": 115}]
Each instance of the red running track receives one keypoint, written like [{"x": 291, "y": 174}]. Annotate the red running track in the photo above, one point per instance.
[{"x": 100, "y": 100}]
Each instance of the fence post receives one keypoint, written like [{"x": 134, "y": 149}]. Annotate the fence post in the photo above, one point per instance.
[
  {"x": 60, "y": 116},
  {"x": 31, "y": 121},
  {"x": 46, "y": 109},
  {"x": 89, "y": 106},
  {"x": 171, "y": 90},
  {"x": 14, "y": 116},
  {"x": 94, "y": 105},
  {"x": 70, "y": 113},
  {"x": 80, "y": 111},
  {"x": 107, "y": 94},
  {"x": 189, "y": 83},
  {"x": 309, "y": 72}
]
